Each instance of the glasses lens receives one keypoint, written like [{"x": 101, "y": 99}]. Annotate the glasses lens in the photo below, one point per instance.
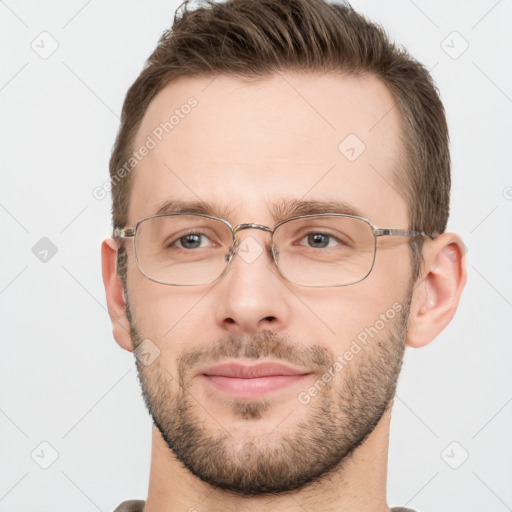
[
  {"x": 325, "y": 250},
  {"x": 182, "y": 249}
]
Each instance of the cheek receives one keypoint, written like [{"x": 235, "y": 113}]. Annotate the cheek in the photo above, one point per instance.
[
  {"x": 353, "y": 310},
  {"x": 172, "y": 320},
  {"x": 167, "y": 314},
  {"x": 392, "y": 269}
]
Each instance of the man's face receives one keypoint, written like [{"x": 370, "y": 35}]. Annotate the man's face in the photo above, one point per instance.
[{"x": 243, "y": 148}]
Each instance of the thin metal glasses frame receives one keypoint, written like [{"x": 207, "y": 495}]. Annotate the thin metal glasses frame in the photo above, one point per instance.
[{"x": 124, "y": 232}]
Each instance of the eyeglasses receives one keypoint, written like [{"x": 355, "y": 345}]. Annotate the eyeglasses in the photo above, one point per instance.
[{"x": 188, "y": 249}]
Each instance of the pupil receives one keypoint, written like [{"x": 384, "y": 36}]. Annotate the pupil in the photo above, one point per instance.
[
  {"x": 190, "y": 241},
  {"x": 318, "y": 238}
]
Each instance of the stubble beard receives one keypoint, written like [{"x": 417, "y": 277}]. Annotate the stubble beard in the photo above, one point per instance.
[{"x": 325, "y": 433}]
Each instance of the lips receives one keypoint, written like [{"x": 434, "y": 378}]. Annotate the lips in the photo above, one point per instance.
[
  {"x": 251, "y": 381},
  {"x": 239, "y": 371}
]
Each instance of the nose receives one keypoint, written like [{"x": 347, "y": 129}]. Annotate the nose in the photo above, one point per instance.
[{"x": 252, "y": 296}]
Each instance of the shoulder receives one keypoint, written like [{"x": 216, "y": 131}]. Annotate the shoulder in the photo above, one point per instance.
[{"x": 131, "y": 506}]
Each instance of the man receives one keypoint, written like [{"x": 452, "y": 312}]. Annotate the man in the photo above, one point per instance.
[{"x": 280, "y": 192}]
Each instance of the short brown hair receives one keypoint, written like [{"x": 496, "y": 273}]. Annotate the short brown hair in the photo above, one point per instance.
[{"x": 258, "y": 38}]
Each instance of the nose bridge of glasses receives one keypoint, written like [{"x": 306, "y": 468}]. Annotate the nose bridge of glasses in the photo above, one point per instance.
[{"x": 242, "y": 227}]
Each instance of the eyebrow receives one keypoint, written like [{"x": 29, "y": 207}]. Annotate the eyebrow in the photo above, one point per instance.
[
  {"x": 176, "y": 206},
  {"x": 280, "y": 211},
  {"x": 293, "y": 208}
]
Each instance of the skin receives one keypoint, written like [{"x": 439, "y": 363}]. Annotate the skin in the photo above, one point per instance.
[{"x": 248, "y": 145}]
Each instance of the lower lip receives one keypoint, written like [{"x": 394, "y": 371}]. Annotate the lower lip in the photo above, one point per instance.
[{"x": 250, "y": 388}]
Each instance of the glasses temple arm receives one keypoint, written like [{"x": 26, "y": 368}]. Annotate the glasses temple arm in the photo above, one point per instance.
[
  {"x": 123, "y": 232},
  {"x": 400, "y": 232}
]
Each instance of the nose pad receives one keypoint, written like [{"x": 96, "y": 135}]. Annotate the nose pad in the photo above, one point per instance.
[
  {"x": 231, "y": 253},
  {"x": 275, "y": 253}
]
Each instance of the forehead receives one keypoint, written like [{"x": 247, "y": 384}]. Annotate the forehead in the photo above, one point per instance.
[{"x": 245, "y": 146}]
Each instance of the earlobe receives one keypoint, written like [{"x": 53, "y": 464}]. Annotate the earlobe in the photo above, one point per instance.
[
  {"x": 437, "y": 292},
  {"x": 114, "y": 292}
]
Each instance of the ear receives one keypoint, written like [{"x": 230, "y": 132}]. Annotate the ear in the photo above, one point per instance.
[
  {"x": 116, "y": 302},
  {"x": 438, "y": 289}
]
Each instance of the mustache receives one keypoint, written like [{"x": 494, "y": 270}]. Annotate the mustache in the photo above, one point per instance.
[{"x": 265, "y": 344}]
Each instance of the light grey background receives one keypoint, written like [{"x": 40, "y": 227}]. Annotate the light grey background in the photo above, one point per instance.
[{"x": 64, "y": 380}]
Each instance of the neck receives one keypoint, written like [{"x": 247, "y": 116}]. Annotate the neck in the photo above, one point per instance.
[{"x": 359, "y": 486}]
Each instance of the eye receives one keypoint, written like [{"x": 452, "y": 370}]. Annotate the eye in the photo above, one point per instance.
[
  {"x": 189, "y": 241},
  {"x": 319, "y": 240}
]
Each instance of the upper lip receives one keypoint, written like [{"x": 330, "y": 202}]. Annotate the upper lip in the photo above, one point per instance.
[{"x": 243, "y": 371}]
